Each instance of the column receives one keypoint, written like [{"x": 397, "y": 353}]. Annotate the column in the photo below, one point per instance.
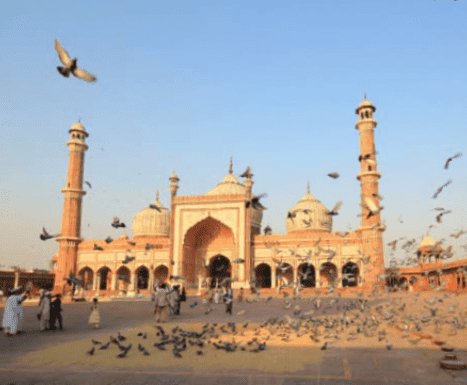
[
  {"x": 98, "y": 287},
  {"x": 295, "y": 273},
  {"x": 151, "y": 278},
  {"x": 113, "y": 285},
  {"x": 133, "y": 280},
  {"x": 339, "y": 276},
  {"x": 273, "y": 276},
  {"x": 94, "y": 281}
]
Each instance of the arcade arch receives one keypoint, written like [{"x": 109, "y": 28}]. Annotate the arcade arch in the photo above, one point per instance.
[{"x": 263, "y": 275}]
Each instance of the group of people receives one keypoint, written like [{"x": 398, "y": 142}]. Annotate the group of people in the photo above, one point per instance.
[
  {"x": 210, "y": 295},
  {"x": 168, "y": 299}
]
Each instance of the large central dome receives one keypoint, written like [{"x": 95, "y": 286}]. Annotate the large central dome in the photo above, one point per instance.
[{"x": 310, "y": 214}]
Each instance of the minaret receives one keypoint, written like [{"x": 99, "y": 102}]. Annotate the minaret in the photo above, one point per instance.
[
  {"x": 173, "y": 193},
  {"x": 371, "y": 229},
  {"x": 70, "y": 235},
  {"x": 248, "y": 262}
]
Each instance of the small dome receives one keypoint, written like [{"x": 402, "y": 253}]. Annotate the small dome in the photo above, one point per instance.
[
  {"x": 123, "y": 237},
  {"x": 78, "y": 127},
  {"x": 151, "y": 222},
  {"x": 230, "y": 185},
  {"x": 365, "y": 104},
  {"x": 427, "y": 242},
  {"x": 315, "y": 218},
  {"x": 174, "y": 177}
]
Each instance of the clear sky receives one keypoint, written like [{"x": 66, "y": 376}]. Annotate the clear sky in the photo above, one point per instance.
[{"x": 185, "y": 85}]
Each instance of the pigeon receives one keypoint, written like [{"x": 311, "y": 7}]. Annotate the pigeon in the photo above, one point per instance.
[
  {"x": 337, "y": 206},
  {"x": 255, "y": 203},
  {"x": 267, "y": 230},
  {"x": 199, "y": 352},
  {"x": 96, "y": 342},
  {"x": 128, "y": 259},
  {"x": 73, "y": 280},
  {"x": 124, "y": 352},
  {"x": 155, "y": 207},
  {"x": 324, "y": 347},
  {"x": 194, "y": 304},
  {"x": 238, "y": 260},
  {"x": 247, "y": 174},
  {"x": 45, "y": 235},
  {"x": 70, "y": 65},
  {"x": 132, "y": 243},
  {"x": 97, "y": 247},
  {"x": 388, "y": 347},
  {"x": 438, "y": 217},
  {"x": 291, "y": 215},
  {"x": 450, "y": 159},
  {"x": 441, "y": 188},
  {"x": 365, "y": 157},
  {"x": 116, "y": 223},
  {"x": 333, "y": 175},
  {"x": 120, "y": 337},
  {"x": 458, "y": 234},
  {"x": 105, "y": 346},
  {"x": 149, "y": 246},
  {"x": 91, "y": 352},
  {"x": 377, "y": 196},
  {"x": 89, "y": 184},
  {"x": 371, "y": 206}
]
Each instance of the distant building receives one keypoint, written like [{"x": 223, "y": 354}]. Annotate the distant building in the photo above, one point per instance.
[{"x": 35, "y": 279}]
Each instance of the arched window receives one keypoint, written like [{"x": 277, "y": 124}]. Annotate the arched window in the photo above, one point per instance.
[
  {"x": 361, "y": 115},
  {"x": 369, "y": 168},
  {"x": 366, "y": 114}
]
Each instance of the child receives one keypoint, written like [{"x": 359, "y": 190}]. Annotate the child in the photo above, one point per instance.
[{"x": 95, "y": 318}]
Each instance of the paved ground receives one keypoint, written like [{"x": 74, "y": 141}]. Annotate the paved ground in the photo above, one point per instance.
[{"x": 339, "y": 366}]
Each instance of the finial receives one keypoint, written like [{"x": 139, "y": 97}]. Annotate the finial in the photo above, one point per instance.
[
  {"x": 364, "y": 96},
  {"x": 157, "y": 195},
  {"x": 230, "y": 166},
  {"x": 308, "y": 188}
]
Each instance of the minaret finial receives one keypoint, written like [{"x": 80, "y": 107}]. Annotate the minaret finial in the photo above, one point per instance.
[
  {"x": 308, "y": 188},
  {"x": 230, "y": 166},
  {"x": 157, "y": 195},
  {"x": 364, "y": 96}
]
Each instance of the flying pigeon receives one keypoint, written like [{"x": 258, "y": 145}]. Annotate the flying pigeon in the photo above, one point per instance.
[
  {"x": 128, "y": 259},
  {"x": 149, "y": 246},
  {"x": 255, "y": 202},
  {"x": 108, "y": 240},
  {"x": 335, "y": 209},
  {"x": 371, "y": 206},
  {"x": 155, "y": 207},
  {"x": 116, "y": 223},
  {"x": 91, "y": 352},
  {"x": 450, "y": 159},
  {"x": 97, "y": 247},
  {"x": 333, "y": 175},
  {"x": 89, "y": 184},
  {"x": 45, "y": 235},
  {"x": 238, "y": 260},
  {"x": 70, "y": 65},
  {"x": 73, "y": 280},
  {"x": 438, "y": 217},
  {"x": 123, "y": 278},
  {"x": 441, "y": 188},
  {"x": 267, "y": 230},
  {"x": 247, "y": 174}
]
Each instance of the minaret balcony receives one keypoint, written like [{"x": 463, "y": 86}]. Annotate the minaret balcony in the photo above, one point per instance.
[
  {"x": 366, "y": 121},
  {"x": 369, "y": 173}
]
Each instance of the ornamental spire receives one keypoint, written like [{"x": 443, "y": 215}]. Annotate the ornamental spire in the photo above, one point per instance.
[
  {"x": 230, "y": 166},
  {"x": 308, "y": 188}
]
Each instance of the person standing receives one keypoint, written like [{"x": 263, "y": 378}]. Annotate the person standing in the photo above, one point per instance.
[
  {"x": 177, "y": 298},
  {"x": 13, "y": 314},
  {"x": 56, "y": 313},
  {"x": 95, "y": 317},
  {"x": 182, "y": 297},
  {"x": 240, "y": 296},
  {"x": 44, "y": 312},
  {"x": 161, "y": 303}
]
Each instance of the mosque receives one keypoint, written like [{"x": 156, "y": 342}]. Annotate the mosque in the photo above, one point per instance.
[{"x": 218, "y": 235}]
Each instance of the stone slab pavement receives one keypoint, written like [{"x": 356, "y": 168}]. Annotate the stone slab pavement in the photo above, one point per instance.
[{"x": 350, "y": 366}]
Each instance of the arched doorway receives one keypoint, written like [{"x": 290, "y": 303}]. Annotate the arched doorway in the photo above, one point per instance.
[
  {"x": 142, "y": 275},
  {"x": 87, "y": 277},
  {"x": 263, "y": 275},
  {"x": 306, "y": 271},
  {"x": 104, "y": 275},
  {"x": 219, "y": 269},
  {"x": 350, "y": 273},
  {"x": 403, "y": 284},
  {"x": 206, "y": 238},
  {"x": 328, "y": 274},
  {"x": 161, "y": 274}
]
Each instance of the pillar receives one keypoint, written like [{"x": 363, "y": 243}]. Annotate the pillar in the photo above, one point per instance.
[
  {"x": 173, "y": 192},
  {"x": 113, "y": 285},
  {"x": 17, "y": 272},
  {"x": 273, "y": 277}
]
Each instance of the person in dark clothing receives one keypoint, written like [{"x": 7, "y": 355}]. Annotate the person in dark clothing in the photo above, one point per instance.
[
  {"x": 228, "y": 299},
  {"x": 177, "y": 303},
  {"x": 56, "y": 313}
]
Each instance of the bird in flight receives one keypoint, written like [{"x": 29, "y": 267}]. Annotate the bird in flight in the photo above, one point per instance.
[
  {"x": 128, "y": 259},
  {"x": 371, "y": 206},
  {"x": 70, "y": 65},
  {"x": 89, "y": 184},
  {"x": 116, "y": 223},
  {"x": 450, "y": 159},
  {"x": 247, "y": 174},
  {"x": 333, "y": 175},
  {"x": 45, "y": 235},
  {"x": 441, "y": 188},
  {"x": 255, "y": 202},
  {"x": 267, "y": 230},
  {"x": 335, "y": 209},
  {"x": 438, "y": 217},
  {"x": 155, "y": 207}
]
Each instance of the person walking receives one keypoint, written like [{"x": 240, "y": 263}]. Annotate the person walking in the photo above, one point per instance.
[
  {"x": 182, "y": 297},
  {"x": 161, "y": 303},
  {"x": 44, "y": 312},
  {"x": 95, "y": 317},
  {"x": 56, "y": 313},
  {"x": 177, "y": 299},
  {"x": 228, "y": 299}
]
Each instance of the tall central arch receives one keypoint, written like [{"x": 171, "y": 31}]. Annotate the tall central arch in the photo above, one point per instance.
[
  {"x": 203, "y": 241},
  {"x": 219, "y": 269}
]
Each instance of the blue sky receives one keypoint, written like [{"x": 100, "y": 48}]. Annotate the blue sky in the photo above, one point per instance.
[{"x": 186, "y": 85}]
